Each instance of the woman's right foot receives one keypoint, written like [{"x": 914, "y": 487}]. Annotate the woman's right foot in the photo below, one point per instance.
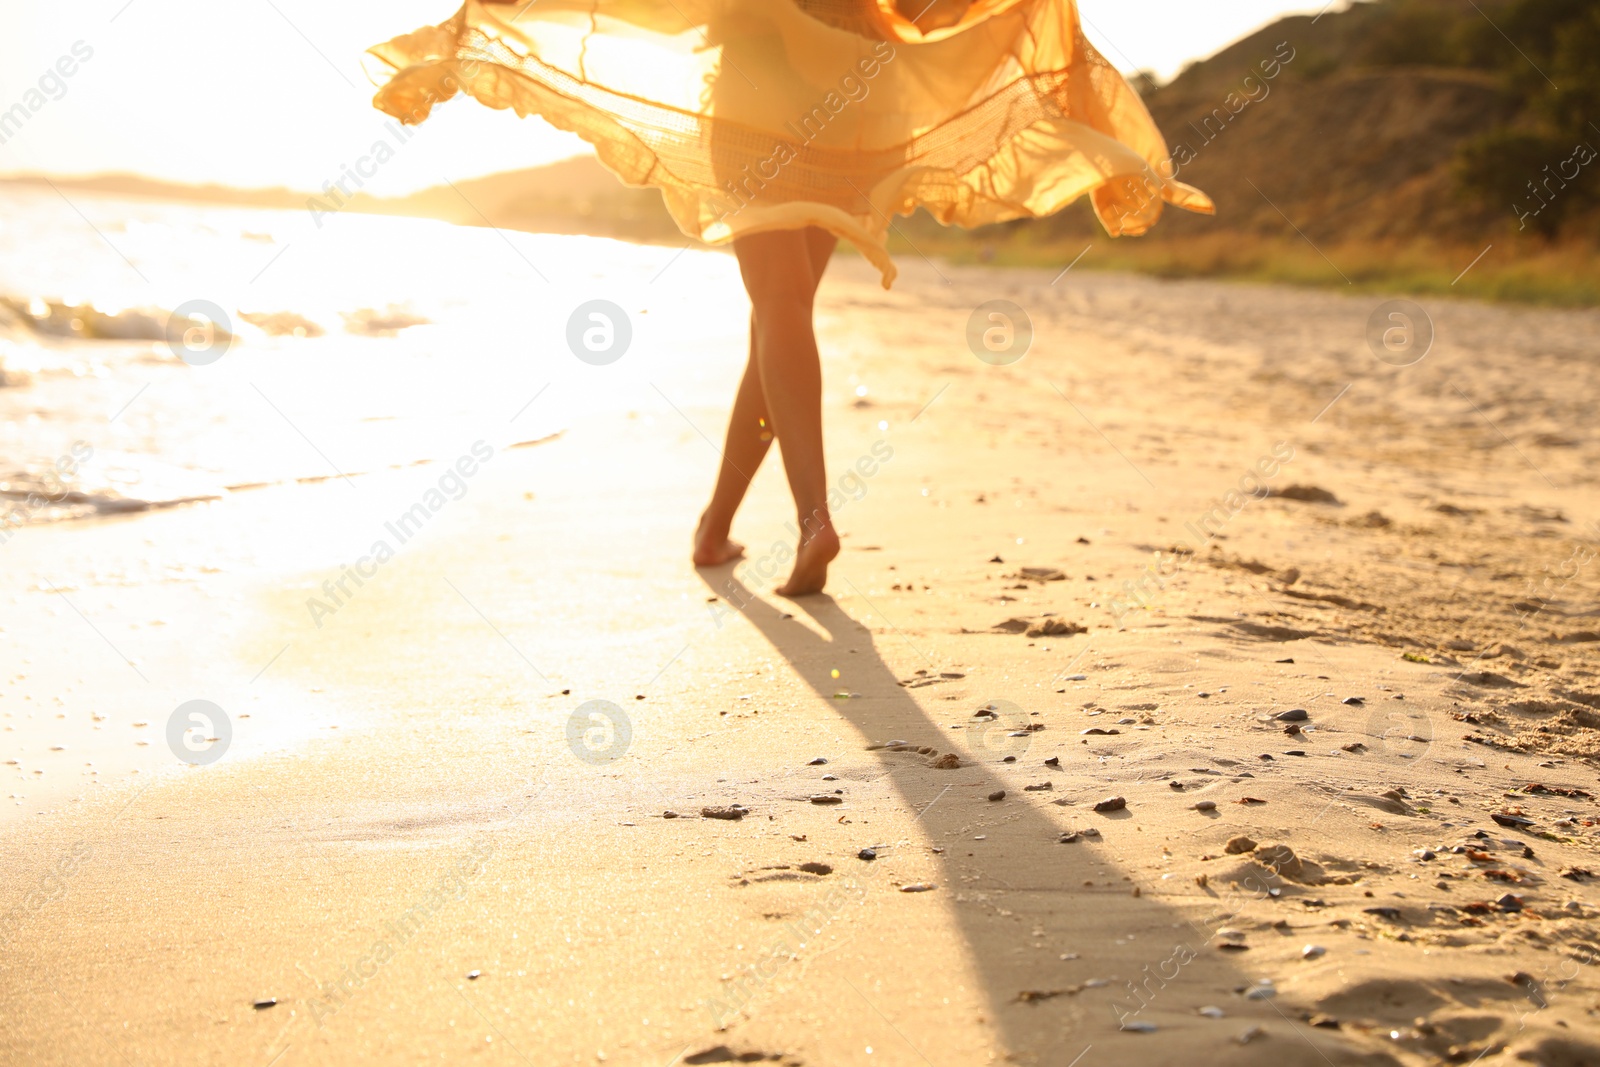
[
  {"x": 712, "y": 547},
  {"x": 810, "y": 572}
]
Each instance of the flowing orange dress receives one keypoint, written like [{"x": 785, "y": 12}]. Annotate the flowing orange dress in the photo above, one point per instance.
[{"x": 753, "y": 115}]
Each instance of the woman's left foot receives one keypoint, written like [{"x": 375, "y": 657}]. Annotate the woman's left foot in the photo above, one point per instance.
[{"x": 712, "y": 549}]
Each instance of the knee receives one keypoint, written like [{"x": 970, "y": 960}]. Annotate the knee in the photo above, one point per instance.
[{"x": 781, "y": 301}]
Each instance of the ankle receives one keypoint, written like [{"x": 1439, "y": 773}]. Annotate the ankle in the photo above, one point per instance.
[
  {"x": 714, "y": 526},
  {"x": 814, "y": 524}
]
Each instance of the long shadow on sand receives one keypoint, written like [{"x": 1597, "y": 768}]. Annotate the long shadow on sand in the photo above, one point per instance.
[{"x": 1021, "y": 878}]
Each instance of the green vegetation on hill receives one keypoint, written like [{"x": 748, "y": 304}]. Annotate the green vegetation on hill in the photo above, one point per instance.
[{"x": 1402, "y": 139}]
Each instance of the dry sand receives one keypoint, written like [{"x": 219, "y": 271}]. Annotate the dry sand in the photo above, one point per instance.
[{"x": 417, "y": 867}]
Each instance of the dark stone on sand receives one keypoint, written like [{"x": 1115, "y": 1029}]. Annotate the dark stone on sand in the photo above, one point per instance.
[
  {"x": 263, "y": 1005},
  {"x": 1292, "y": 715},
  {"x": 1050, "y": 627},
  {"x": 826, "y": 798},
  {"x": 819, "y": 761},
  {"x": 1098, "y": 730},
  {"x": 867, "y": 854},
  {"x": 1510, "y": 902},
  {"x": 1354, "y": 700},
  {"x": 1507, "y": 819},
  {"x": 733, "y": 811},
  {"x": 998, "y": 794},
  {"x": 1111, "y": 804},
  {"x": 669, "y": 814},
  {"x": 1384, "y": 912},
  {"x": 1053, "y": 761},
  {"x": 1306, "y": 494}
]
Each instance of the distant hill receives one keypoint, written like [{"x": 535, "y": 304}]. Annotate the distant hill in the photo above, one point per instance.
[
  {"x": 576, "y": 195},
  {"x": 1364, "y": 130}
]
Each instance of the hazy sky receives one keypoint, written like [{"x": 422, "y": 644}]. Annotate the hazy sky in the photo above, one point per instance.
[{"x": 272, "y": 92}]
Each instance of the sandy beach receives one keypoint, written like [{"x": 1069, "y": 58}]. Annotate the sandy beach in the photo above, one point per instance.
[{"x": 1242, "y": 687}]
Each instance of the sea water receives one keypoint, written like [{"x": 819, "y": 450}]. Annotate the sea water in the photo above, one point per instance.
[{"x": 352, "y": 343}]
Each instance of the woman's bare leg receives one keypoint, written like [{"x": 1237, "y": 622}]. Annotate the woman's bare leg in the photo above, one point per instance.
[
  {"x": 780, "y": 393},
  {"x": 749, "y": 437}
]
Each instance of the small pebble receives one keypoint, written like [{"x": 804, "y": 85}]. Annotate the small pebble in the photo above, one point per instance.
[
  {"x": 1250, "y": 1035},
  {"x": 998, "y": 794},
  {"x": 1210, "y": 1012},
  {"x": 1111, "y": 804},
  {"x": 1292, "y": 715},
  {"x": 1205, "y": 805},
  {"x": 917, "y": 887},
  {"x": 1311, "y": 952},
  {"x": 826, "y": 798},
  {"x": 1139, "y": 1026},
  {"x": 819, "y": 761},
  {"x": 263, "y": 1005},
  {"x": 473, "y": 976},
  {"x": 867, "y": 854}
]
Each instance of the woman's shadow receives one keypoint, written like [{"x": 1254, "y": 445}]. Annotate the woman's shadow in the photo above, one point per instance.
[{"x": 1046, "y": 884}]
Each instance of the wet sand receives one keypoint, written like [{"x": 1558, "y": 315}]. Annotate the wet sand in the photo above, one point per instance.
[{"x": 417, "y": 852}]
